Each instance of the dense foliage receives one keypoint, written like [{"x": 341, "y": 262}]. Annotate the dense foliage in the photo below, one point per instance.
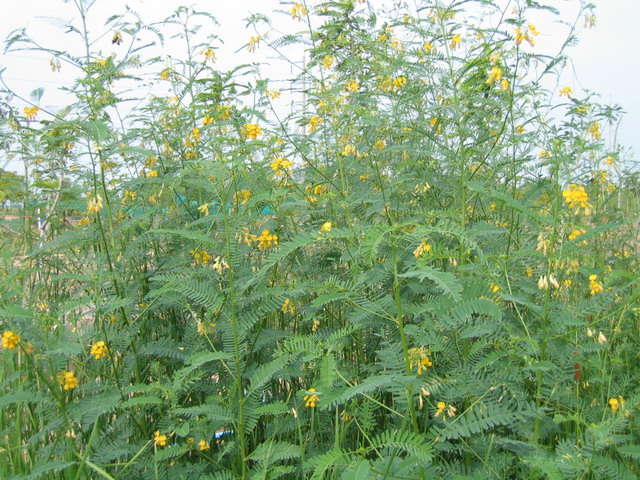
[{"x": 424, "y": 267}]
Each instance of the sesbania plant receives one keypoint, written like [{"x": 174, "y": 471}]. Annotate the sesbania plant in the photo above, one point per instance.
[{"x": 426, "y": 267}]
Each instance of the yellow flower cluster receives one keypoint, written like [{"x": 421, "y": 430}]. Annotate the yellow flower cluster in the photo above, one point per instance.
[
  {"x": 547, "y": 281},
  {"x": 265, "y": 240},
  {"x": 566, "y": 91},
  {"x": 442, "y": 406},
  {"x": 94, "y": 204},
  {"x": 129, "y": 196},
  {"x": 595, "y": 286},
  {"x": 281, "y": 166},
  {"x": 353, "y": 86},
  {"x": 251, "y": 131},
  {"x": 615, "y": 403},
  {"x": 576, "y": 232},
  {"x": 273, "y": 94},
  {"x": 311, "y": 400},
  {"x": 204, "y": 209},
  {"x": 202, "y": 257},
  {"x": 203, "y": 328},
  {"x": 349, "y": 150},
  {"x": 242, "y": 196},
  {"x": 418, "y": 358},
  {"x": 594, "y": 131},
  {"x": 99, "y": 350},
  {"x": 495, "y": 75},
  {"x": 209, "y": 55},
  {"x": 288, "y": 306},
  {"x": 327, "y": 61},
  {"x": 314, "y": 122},
  {"x": 68, "y": 380},
  {"x": 576, "y": 197},
  {"x": 193, "y": 138},
  {"x": 298, "y": 11},
  {"x": 203, "y": 445},
  {"x": 423, "y": 248},
  {"x": 254, "y": 43},
  {"x": 10, "y": 339},
  {"x": 159, "y": 439},
  {"x": 31, "y": 112},
  {"x": 455, "y": 41},
  {"x": 521, "y": 36}
]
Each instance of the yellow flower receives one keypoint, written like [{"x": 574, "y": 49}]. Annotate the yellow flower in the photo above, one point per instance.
[
  {"x": 224, "y": 112},
  {"x": 311, "y": 400},
  {"x": 298, "y": 11},
  {"x": 204, "y": 209},
  {"x": 601, "y": 338},
  {"x": 521, "y": 36},
  {"x": 193, "y": 138},
  {"x": 594, "y": 131},
  {"x": 265, "y": 240},
  {"x": 519, "y": 129},
  {"x": 494, "y": 287},
  {"x": 349, "y": 150},
  {"x": 428, "y": 47},
  {"x": 202, "y": 257},
  {"x": 576, "y": 197},
  {"x": 418, "y": 358},
  {"x": 281, "y": 165},
  {"x": 203, "y": 445},
  {"x": 424, "y": 247},
  {"x": 251, "y": 131},
  {"x": 576, "y": 232},
  {"x": 204, "y": 329},
  {"x": 219, "y": 265},
  {"x": 242, "y": 196},
  {"x": 68, "y": 380},
  {"x": 595, "y": 286},
  {"x": 314, "y": 121},
  {"x": 159, "y": 439},
  {"x": 353, "y": 86},
  {"x": 94, "y": 204},
  {"x": 10, "y": 339},
  {"x": 288, "y": 307},
  {"x": 327, "y": 61},
  {"x": 399, "y": 82},
  {"x": 495, "y": 75},
  {"x": 209, "y": 55},
  {"x": 99, "y": 350},
  {"x": 54, "y": 63},
  {"x": 566, "y": 91},
  {"x": 31, "y": 112},
  {"x": 152, "y": 173},
  {"x": 254, "y": 43},
  {"x": 456, "y": 41},
  {"x": 379, "y": 144},
  {"x": 207, "y": 120},
  {"x": 547, "y": 281},
  {"x": 326, "y": 227},
  {"x": 616, "y": 403},
  {"x": 117, "y": 38},
  {"x": 273, "y": 94},
  {"x": 320, "y": 189}
]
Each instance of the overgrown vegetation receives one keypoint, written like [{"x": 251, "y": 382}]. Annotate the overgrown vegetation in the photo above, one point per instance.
[{"x": 426, "y": 269}]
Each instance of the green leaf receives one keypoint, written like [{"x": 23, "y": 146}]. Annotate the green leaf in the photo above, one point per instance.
[{"x": 447, "y": 282}]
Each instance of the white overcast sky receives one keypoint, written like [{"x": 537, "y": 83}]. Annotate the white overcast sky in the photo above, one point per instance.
[{"x": 605, "y": 60}]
